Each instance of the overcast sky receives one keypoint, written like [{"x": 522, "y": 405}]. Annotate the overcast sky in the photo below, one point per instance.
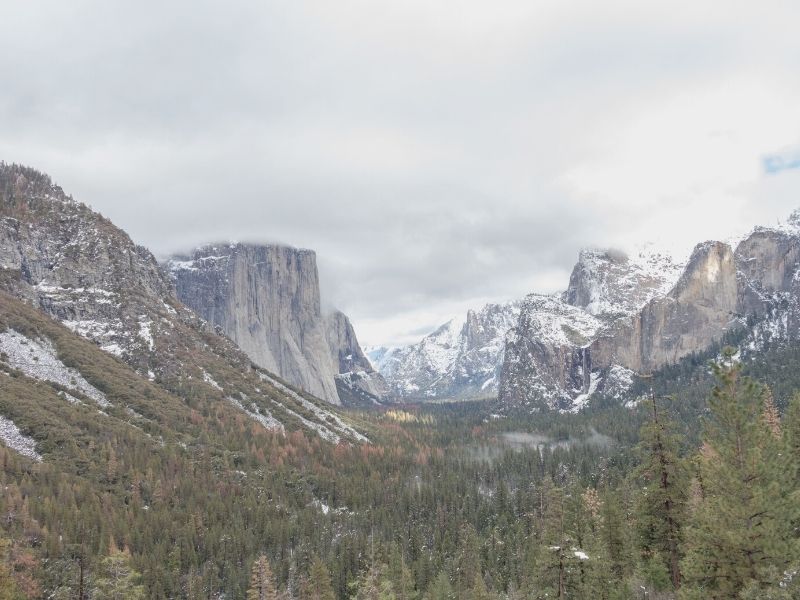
[{"x": 435, "y": 154}]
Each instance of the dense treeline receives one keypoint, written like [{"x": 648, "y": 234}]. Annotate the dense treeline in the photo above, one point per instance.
[{"x": 615, "y": 503}]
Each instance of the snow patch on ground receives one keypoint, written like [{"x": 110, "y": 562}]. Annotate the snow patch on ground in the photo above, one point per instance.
[
  {"x": 267, "y": 420},
  {"x": 210, "y": 380},
  {"x": 14, "y": 439},
  {"x": 323, "y": 415},
  {"x": 146, "y": 332},
  {"x": 37, "y": 359},
  {"x": 102, "y": 332}
]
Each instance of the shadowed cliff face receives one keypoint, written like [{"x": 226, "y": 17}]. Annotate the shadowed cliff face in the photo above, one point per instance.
[{"x": 266, "y": 298}]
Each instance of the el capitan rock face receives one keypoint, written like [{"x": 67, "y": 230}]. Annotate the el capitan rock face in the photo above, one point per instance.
[{"x": 266, "y": 298}]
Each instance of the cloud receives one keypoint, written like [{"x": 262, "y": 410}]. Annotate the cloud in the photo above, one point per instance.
[{"x": 436, "y": 155}]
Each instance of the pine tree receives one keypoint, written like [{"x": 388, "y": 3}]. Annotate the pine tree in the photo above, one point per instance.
[
  {"x": 8, "y": 588},
  {"x": 468, "y": 562},
  {"x": 374, "y": 584},
  {"x": 261, "y": 581},
  {"x": 741, "y": 533},
  {"x": 770, "y": 413},
  {"x": 662, "y": 504},
  {"x": 560, "y": 572},
  {"x": 440, "y": 588},
  {"x": 117, "y": 580},
  {"x": 402, "y": 578},
  {"x": 791, "y": 429},
  {"x": 614, "y": 535},
  {"x": 318, "y": 585}
]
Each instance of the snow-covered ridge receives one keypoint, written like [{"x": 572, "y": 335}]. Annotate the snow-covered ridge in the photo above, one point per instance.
[
  {"x": 558, "y": 323},
  {"x": 267, "y": 420},
  {"x": 38, "y": 359},
  {"x": 461, "y": 358},
  {"x": 611, "y": 283}
]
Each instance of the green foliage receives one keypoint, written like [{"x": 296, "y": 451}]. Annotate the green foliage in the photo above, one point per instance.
[
  {"x": 318, "y": 585},
  {"x": 440, "y": 589},
  {"x": 439, "y": 506},
  {"x": 741, "y": 529},
  {"x": 117, "y": 580},
  {"x": 661, "y": 510}
]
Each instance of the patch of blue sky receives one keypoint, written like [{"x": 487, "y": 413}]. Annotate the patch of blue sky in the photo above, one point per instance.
[{"x": 786, "y": 161}]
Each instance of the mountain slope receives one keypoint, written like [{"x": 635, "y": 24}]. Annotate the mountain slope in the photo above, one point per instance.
[
  {"x": 461, "y": 359},
  {"x": 80, "y": 269}
]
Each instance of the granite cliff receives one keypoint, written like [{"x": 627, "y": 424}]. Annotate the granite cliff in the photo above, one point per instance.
[{"x": 266, "y": 298}]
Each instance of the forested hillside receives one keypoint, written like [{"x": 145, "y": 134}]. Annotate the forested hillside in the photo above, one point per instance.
[{"x": 153, "y": 496}]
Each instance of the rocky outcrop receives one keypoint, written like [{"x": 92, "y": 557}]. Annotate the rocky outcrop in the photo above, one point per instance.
[
  {"x": 353, "y": 369},
  {"x": 461, "y": 359},
  {"x": 546, "y": 363},
  {"x": 693, "y": 315},
  {"x": 77, "y": 266},
  {"x": 610, "y": 283},
  {"x": 266, "y": 298}
]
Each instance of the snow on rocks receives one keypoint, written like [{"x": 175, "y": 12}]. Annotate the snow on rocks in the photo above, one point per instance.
[
  {"x": 323, "y": 415},
  {"x": 146, "y": 332},
  {"x": 611, "y": 283},
  {"x": 261, "y": 415},
  {"x": 14, "y": 439},
  {"x": 582, "y": 400},
  {"x": 38, "y": 359},
  {"x": 461, "y": 358},
  {"x": 210, "y": 381},
  {"x": 103, "y": 332}
]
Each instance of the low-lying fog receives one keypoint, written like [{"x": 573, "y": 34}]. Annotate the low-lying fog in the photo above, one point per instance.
[{"x": 522, "y": 440}]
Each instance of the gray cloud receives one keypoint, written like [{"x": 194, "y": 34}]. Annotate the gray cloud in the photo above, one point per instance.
[{"x": 436, "y": 155}]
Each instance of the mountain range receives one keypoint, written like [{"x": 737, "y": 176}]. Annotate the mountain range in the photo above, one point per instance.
[{"x": 619, "y": 317}]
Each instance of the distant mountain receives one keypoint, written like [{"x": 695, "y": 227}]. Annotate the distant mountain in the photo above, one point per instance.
[
  {"x": 461, "y": 359},
  {"x": 266, "y": 298},
  {"x": 625, "y": 316}
]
